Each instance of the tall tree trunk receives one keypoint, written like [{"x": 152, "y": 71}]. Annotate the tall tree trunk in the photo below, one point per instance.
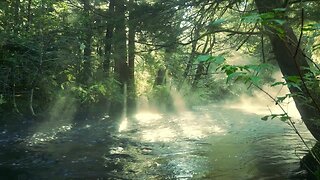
[
  {"x": 131, "y": 58},
  {"x": 120, "y": 43},
  {"x": 292, "y": 62},
  {"x": 108, "y": 39},
  {"x": 86, "y": 74},
  {"x": 120, "y": 53}
]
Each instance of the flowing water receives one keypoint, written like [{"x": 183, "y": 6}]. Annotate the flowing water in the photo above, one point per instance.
[{"x": 208, "y": 142}]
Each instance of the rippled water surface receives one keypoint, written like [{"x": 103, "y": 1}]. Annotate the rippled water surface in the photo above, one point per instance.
[{"x": 209, "y": 142}]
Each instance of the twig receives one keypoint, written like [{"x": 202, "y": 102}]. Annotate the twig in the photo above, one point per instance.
[
  {"x": 297, "y": 65},
  {"x": 291, "y": 123}
]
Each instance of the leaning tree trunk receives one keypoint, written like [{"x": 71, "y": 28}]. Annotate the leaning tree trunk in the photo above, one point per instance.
[{"x": 292, "y": 62}]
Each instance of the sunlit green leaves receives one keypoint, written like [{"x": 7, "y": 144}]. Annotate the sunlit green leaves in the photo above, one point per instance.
[
  {"x": 235, "y": 75},
  {"x": 312, "y": 27},
  {"x": 291, "y": 81},
  {"x": 256, "y": 80},
  {"x": 208, "y": 58},
  {"x": 217, "y": 23},
  {"x": 278, "y": 83},
  {"x": 283, "y": 117},
  {"x": 204, "y": 58},
  {"x": 82, "y": 46},
  {"x": 280, "y": 9},
  {"x": 251, "y": 18},
  {"x": 230, "y": 69},
  {"x": 269, "y": 18},
  {"x": 281, "y": 99},
  {"x": 315, "y": 47},
  {"x": 219, "y": 59},
  {"x": 2, "y": 101},
  {"x": 245, "y": 73}
]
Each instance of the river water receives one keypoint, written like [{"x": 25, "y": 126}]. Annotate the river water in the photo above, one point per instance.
[{"x": 207, "y": 142}]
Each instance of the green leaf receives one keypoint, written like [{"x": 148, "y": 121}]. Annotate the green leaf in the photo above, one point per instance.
[
  {"x": 294, "y": 79},
  {"x": 82, "y": 47},
  {"x": 251, "y": 18},
  {"x": 279, "y": 21},
  {"x": 281, "y": 99},
  {"x": 315, "y": 47},
  {"x": 280, "y": 9},
  {"x": 219, "y": 59},
  {"x": 312, "y": 27},
  {"x": 228, "y": 69},
  {"x": 204, "y": 58},
  {"x": 217, "y": 22},
  {"x": 235, "y": 75},
  {"x": 294, "y": 85},
  {"x": 267, "y": 16},
  {"x": 265, "y": 118},
  {"x": 278, "y": 83},
  {"x": 2, "y": 101},
  {"x": 255, "y": 80},
  {"x": 284, "y": 118}
]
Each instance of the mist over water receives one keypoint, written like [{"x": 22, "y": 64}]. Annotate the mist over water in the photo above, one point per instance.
[
  {"x": 260, "y": 103},
  {"x": 215, "y": 141},
  {"x": 60, "y": 119}
]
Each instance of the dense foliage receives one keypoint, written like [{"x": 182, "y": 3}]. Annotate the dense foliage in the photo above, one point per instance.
[{"x": 90, "y": 50}]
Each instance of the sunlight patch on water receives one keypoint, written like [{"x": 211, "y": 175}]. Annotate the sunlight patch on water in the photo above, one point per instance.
[
  {"x": 43, "y": 137},
  {"x": 178, "y": 100},
  {"x": 159, "y": 134},
  {"x": 199, "y": 127},
  {"x": 158, "y": 128},
  {"x": 116, "y": 150},
  {"x": 147, "y": 117},
  {"x": 123, "y": 125}
]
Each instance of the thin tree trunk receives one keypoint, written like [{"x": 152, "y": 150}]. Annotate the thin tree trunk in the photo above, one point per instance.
[
  {"x": 16, "y": 17},
  {"x": 191, "y": 57},
  {"x": 31, "y": 103},
  {"x": 292, "y": 62},
  {"x": 14, "y": 102},
  {"x": 200, "y": 67},
  {"x": 29, "y": 15}
]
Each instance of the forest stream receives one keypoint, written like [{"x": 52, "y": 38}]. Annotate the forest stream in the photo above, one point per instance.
[{"x": 207, "y": 142}]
